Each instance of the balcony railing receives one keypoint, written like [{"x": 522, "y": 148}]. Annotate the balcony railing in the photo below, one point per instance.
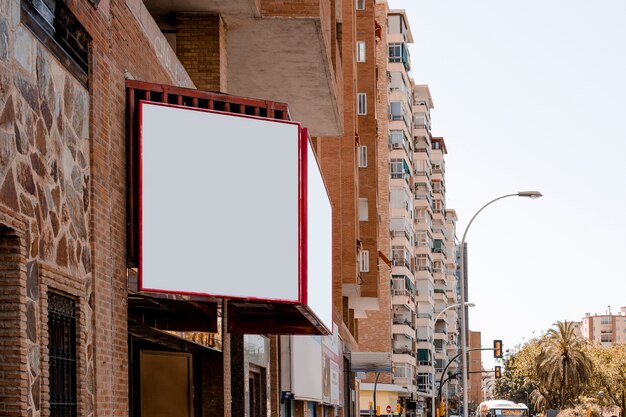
[
  {"x": 401, "y": 233},
  {"x": 401, "y": 292},
  {"x": 401, "y": 262},
  {"x": 403, "y": 351}
]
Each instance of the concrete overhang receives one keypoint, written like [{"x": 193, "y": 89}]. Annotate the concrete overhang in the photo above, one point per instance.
[
  {"x": 286, "y": 58},
  {"x": 361, "y": 305}
]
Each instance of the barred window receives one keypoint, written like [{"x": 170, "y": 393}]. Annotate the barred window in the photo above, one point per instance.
[
  {"x": 62, "y": 351},
  {"x": 54, "y": 24}
]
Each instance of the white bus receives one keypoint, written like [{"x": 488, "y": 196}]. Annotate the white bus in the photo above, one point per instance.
[{"x": 501, "y": 408}]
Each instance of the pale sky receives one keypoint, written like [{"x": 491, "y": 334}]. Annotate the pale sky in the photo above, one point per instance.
[{"x": 531, "y": 95}]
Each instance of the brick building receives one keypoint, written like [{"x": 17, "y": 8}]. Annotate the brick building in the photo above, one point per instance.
[
  {"x": 80, "y": 337},
  {"x": 416, "y": 322}
]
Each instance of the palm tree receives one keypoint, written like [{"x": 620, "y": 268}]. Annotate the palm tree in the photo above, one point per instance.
[{"x": 563, "y": 364}]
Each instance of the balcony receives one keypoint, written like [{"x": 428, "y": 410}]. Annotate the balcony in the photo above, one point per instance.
[
  {"x": 403, "y": 329},
  {"x": 440, "y": 295},
  {"x": 288, "y": 49},
  {"x": 399, "y": 53},
  {"x": 403, "y": 298},
  {"x": 400, "y": 179}
]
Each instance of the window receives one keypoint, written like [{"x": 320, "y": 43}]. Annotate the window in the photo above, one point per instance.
[
  {"x": 400, "y": 256},
  {"x": 395, "y": 52},
  {"x": 362, "y": 104},
  {"x": 62, "y": 351},
  {"x": 362, "y": 156},
  {"x": 397, "y": 139},
  {"x": 397, "y": 168},
  {"x": 424, "y": 381},
  {"x": 395, "y": 110},
  {"x": 360, "y": 4},
  {"x": 403, "y": 370},
  {"x": 424, "y": 263},
  {"x": 360, "y": 51},
  {"x": 364, "y": 261},
  {"x": 53, "y": 23},
  {"x": 399, "y": 53},
  {"x": 363, "y": 212}
]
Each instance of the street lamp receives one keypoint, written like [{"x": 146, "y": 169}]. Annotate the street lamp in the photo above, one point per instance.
[
  {"x": 530, "y": 194},
  {"x": 433, "y": 349}
]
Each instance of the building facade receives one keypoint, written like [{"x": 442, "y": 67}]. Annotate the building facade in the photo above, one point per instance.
[
  {"x": 475, "y": 368},
  {"x": 423, "y": 336},
  {"x": 607, "y": 329},
  {"x": 80, "y": 335}
]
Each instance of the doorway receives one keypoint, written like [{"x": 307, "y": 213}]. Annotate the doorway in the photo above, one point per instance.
[{"x": 166, "y": 384}]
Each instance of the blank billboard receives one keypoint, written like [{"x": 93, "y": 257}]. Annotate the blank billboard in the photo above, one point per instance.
[{"x": 232, "y": 206}]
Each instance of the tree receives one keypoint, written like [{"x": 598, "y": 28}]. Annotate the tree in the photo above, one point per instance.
[
  {"x": 609, "y": 374},
  {"x": 563, "y": 364},
  {"x": 518, "y": 378}
]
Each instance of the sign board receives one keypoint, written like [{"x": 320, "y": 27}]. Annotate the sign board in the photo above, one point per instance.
[{"x": 232, "y": 206}]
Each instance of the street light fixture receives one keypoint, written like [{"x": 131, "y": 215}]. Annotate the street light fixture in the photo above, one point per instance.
[
  {"x": 530, "y": 194},
  {"x": 432, "y": 390}
]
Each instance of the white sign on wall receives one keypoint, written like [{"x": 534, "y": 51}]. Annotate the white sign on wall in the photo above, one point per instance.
[{"x": 232, "y": 206}]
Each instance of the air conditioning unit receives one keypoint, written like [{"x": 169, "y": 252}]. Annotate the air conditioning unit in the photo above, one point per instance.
[{"x": 397, "y": 146}]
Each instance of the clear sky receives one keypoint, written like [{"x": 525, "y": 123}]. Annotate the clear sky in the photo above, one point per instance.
[{"x": 531, "y": 95}]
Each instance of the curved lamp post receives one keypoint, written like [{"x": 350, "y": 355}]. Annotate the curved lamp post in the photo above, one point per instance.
[
  {"x": 433, "y": 386},
  {"x": 530, "y": 194}
]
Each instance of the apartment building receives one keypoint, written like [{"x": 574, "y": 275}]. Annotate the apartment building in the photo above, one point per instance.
[
  {"x": 84, "y": 333},
  {"x": 423, "y": 276},
  {"x": 607, "y": 329}
]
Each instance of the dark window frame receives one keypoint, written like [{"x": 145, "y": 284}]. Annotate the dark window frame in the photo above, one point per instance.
[
  {"x": 62, "y": 354},
  {"x": 56, "y": 27}
]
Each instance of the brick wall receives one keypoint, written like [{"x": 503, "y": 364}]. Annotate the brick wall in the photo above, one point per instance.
[
  {"x": 62, "y": 149},
  {"x": 13, "y": 347},
  {"x": 367, "y": 130},
  {"x": 201, "y": 48}
]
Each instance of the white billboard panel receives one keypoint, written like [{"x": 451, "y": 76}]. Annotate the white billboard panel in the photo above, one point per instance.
[
  {"x": 306, "y": 368},
  {"x": 233, "y": 206},
  {"x": 219, "y": 204},
  {"x": 320, "y": 243}
]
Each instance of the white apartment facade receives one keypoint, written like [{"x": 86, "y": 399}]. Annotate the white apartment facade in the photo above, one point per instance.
[
  {"x": 423, "y": 232},
  {"x": 607, "y": 329}
]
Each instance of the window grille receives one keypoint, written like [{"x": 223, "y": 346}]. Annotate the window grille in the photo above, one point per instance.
[{"x": 62, "y": 351}]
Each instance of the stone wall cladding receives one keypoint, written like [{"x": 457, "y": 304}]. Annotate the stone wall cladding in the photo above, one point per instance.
[
  {"x": 44, "y": 177},
  {"x": 62, "y": 178}
]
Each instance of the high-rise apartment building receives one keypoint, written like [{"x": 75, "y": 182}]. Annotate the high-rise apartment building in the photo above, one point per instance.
[
  {"x": 607, "y": 329},
  {"x": 422, "y": 243}
]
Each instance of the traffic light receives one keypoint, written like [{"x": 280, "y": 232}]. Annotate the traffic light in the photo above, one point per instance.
[
  {"x": 497, "y": 349},
  {"x": 378, "y": 410},
  {"x": 398, "y": 408},
  {"x": 442, "y": 408},
  {"x": 498, "y": 371}
]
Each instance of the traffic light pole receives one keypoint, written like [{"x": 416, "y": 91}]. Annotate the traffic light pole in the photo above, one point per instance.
[{"x": 446, "y": 368}]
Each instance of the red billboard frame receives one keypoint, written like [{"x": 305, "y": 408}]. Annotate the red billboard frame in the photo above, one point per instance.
[{"x": 301, "y": 302}]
